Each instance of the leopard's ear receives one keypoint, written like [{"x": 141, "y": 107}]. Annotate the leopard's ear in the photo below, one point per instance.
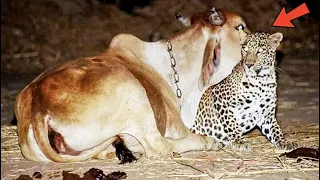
[{"x": 274, "y": 40}]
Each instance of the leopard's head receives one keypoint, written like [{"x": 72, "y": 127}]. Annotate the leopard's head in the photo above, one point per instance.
[{"x": 259, "y": 51}]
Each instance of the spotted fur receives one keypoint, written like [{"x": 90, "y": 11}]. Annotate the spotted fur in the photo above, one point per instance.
[{"x": 245, "y": 99}]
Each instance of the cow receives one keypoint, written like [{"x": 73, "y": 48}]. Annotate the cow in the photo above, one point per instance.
[{"x": 141, "y": 94}]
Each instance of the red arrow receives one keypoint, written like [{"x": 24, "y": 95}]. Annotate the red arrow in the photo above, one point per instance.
[{"x": 284, "y": 20}]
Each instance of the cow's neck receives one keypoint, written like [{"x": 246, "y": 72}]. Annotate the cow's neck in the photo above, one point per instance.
[{"x": 188, "y": 49}]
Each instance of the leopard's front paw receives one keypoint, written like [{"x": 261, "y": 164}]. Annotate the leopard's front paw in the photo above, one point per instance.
[
  {"x": 240, "y": 145},
  {"x": 286, "y": 145}
]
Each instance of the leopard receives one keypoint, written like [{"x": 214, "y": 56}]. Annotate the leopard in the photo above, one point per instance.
[{"x": 245, "y": 99}]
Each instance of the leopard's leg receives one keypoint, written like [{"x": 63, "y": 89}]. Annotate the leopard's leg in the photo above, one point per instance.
[
  {"x": 233, "y": 130},
  {"x": 237, "y": 142},
  {"x": 270, "y": 128}
]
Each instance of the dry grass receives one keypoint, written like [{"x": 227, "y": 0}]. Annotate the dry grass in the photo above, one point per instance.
[{"x": 224, "y": 164}]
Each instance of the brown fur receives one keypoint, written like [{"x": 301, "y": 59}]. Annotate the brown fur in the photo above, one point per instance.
[{"x": 119, "y": 92}]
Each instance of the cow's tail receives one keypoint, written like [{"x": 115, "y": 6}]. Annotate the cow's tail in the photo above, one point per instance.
[{"x": 22, "y": 111}]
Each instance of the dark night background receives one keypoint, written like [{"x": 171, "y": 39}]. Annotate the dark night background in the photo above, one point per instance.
[{"x": 37, "y": 34}]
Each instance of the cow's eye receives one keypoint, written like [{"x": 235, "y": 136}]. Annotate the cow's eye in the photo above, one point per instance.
[{"x": 240, "y": 27}]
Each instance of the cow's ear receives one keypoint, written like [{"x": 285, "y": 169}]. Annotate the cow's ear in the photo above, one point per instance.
[
  {"x": 211, "y": 60},
  {"x": 183, "y": 20}
]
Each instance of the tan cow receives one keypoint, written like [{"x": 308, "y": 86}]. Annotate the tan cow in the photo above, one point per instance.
[{"x": 74, "y": 111}]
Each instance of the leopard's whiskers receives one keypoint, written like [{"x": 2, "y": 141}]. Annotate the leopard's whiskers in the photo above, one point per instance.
[{"x": 281, "y": 71}]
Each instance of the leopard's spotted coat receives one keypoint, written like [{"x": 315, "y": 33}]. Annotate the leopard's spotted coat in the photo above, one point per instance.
[{"x": 246, "y": 98}]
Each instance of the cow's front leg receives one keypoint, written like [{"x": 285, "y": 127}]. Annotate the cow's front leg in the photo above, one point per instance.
[
  {"x": 145, "y": 131},
  {"x": 194, "y": 142}
]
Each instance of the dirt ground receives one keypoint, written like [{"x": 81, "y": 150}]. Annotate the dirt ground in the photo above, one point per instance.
[
  {"x": 298, "y": 114},
  {"x": 36, "y": 35},
  {"x": 262, "y": 163}
]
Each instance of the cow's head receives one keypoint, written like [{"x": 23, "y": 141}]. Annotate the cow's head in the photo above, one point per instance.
[{"x": 226, "y": 31}]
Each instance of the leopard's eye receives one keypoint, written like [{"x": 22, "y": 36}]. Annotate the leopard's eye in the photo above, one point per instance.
[
  {"x": 245, "y": 48},
  {"x": 240, "y": 27}
]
